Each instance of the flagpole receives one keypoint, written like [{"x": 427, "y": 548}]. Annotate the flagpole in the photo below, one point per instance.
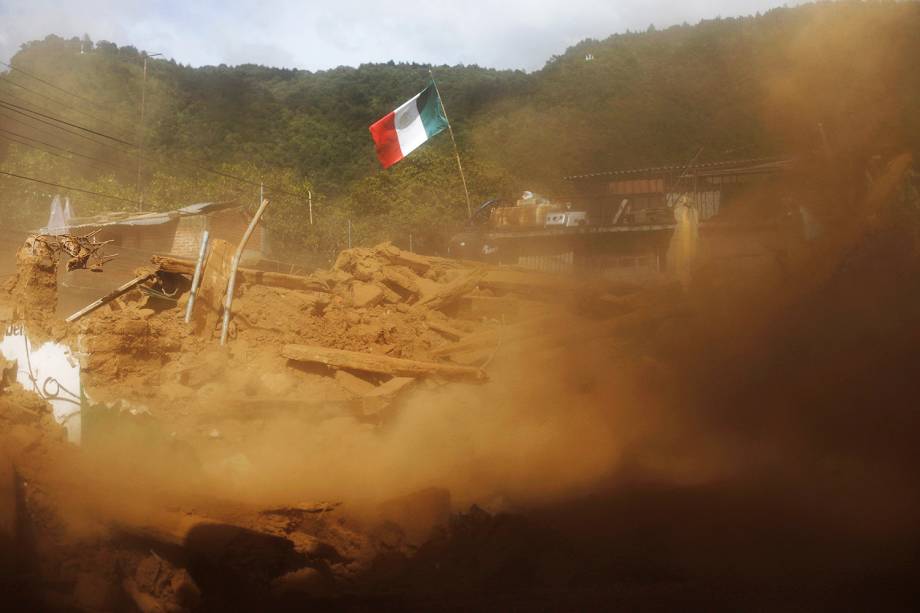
[{"x": 469, "y": 207}]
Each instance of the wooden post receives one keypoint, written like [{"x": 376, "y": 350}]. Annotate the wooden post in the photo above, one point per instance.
[
  {"x": 196, "y": 279},
  {"x": 231, "y": 286},
  {"x": 450, "y": 130}
]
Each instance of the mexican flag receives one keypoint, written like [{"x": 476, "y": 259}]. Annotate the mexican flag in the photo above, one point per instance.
[{"x": 399, "y": 133}]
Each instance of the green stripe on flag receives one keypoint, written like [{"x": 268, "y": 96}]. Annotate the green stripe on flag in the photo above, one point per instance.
[{"x": 431, "y": 111}]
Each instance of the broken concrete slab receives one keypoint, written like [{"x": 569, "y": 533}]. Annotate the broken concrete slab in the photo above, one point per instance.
[{"x": 365, "y": 294}]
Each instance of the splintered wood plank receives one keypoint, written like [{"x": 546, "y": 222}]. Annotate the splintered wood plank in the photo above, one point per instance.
[
  {"x": 391, "y": 387},
  {"x": 216, "y": 274},
  {"x": 398, "y": 367},
  {"x": 251, "y": 276}
]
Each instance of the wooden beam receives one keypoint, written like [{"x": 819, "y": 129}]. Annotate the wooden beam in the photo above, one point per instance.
[
  {"x": 488, "y": 339},
  {"x": 398, "y": 367},
  {"x": 246, "y": 275},
  {"x": 480, "y": 340},
  {"x": 352, "y": 384},
  {"x": 406, "y": 258},
  {"x": 528, "y": 282},
  {"x": 391, "y": 387},
  {"x": 400, "y": 279},
  {"x": 447, "y": 294},
  {"x": 115, "y": 293},
  {"x": 383, "y": 396},
  {"x": 445, "y": 330}
]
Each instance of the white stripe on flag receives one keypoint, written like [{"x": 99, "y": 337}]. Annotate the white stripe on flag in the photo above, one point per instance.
[{"x": 409, "y": 127}]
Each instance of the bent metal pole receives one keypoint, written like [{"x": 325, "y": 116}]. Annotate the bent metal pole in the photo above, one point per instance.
[
  {"x": 231, "y": 285},
  {"x": 197, "y": 278}
]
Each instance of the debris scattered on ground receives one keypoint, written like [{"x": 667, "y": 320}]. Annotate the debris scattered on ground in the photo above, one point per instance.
[
  {"x": 372, "y": 371},
  {"x": 355, "y": 340}
]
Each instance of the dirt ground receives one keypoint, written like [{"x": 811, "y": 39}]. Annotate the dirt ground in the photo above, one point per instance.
[{"x": 747, "y": 441}]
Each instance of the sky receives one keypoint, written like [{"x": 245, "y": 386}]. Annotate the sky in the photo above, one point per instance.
[{"x": 312, "y": 35}]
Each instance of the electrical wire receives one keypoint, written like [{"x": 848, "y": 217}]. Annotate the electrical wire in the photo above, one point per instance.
[
  {"x": 24, "y": 110},
  {"x": 38, "y": 129},
  {"x": 10, "y": 81},
  {"x": 68, "y": 123},
  {"x": 35, "y": 140},
  {"x": 58, "y": 155},
  {"x": 53, "y": 125},
  {"x": 60, "y": 89},
  {"x": 68, "y": 187},
  {"x": 197, "y": 166}
]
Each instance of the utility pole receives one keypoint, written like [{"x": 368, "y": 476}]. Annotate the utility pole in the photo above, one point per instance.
[{"x": 140, "y": 139}]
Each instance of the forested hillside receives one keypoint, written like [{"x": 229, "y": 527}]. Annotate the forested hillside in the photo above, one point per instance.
[{"x": 741, "y": 87}]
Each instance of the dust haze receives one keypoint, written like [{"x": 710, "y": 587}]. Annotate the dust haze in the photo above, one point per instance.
[{"x": 742, "y": 430}]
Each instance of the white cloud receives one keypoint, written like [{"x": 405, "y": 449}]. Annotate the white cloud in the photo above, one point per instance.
[{"x": 317, "y": 35}]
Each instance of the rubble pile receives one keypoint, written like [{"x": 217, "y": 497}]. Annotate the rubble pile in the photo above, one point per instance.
[
  {"x": 161, "y": 396},
  {"x": 380, "y": 301},
  {"x": 328, "y": 454}
]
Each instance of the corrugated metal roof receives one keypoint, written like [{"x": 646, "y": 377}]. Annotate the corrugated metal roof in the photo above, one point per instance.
[
  {"x": 208, "y": 207},
  {"x": 125, "y": 218},
  {"x": 766, "y": 163}
]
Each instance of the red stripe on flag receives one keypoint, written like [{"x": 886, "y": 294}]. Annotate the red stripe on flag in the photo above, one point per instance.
[{"x": 386, "y": 141}]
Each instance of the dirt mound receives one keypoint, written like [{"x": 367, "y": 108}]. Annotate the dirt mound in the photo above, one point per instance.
[{"x": 32, "y": 290}]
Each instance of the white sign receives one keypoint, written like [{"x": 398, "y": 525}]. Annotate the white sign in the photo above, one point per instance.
[{"x": 51, "y": 371}]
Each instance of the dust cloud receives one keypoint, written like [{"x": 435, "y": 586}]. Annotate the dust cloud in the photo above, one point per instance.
[
  {"x": 525, "y": 436},
  {"x": 750, "y": 431}
]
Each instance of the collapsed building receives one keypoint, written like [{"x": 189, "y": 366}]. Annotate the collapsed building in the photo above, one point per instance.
[
  {"x": 621, "y": 221},
  {"x": 354, "y": 341},
  {"x": 281, "y": 468}
]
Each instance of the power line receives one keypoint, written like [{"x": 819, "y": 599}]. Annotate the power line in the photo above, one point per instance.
[
  {"x": 63, "y": 157},
  {"x": 71, "y": 107},
  {"x": 53, "y": 146},
  {"x": 25, "y": 110},
  {"x": 88, "y": 157},
  {"x": 41, "y": 130},
  {"x": 64, "y": 149},
  {"x": 56, "y": 127},
  {"x": 77, "y": 189},
  {"x": 68, "y": 187},
  {"x": 37, "y": 129},
  {"x": 49, "y": 123},
  {"x": 67, "y": 123},
  {"x": 60, "y": 89},
  {"x": 92, "y": 140}
]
